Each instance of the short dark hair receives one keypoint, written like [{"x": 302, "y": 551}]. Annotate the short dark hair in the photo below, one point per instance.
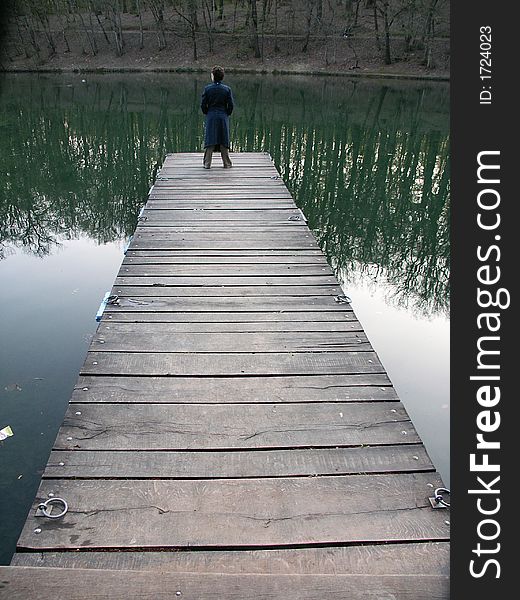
[{"x": 218, "y": 73}]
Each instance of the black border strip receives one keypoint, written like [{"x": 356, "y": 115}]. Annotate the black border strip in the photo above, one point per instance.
[{"x": 482, "y": 127}]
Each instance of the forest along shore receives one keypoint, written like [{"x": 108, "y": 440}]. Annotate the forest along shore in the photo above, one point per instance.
[{"x": 391, "y": 38}]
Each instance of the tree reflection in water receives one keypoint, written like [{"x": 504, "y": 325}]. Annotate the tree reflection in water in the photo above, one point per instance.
[{"x": 367, "y": 162}]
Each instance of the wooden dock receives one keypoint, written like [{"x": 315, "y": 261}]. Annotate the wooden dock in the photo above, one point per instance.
[{"x": 232, "y": 433}]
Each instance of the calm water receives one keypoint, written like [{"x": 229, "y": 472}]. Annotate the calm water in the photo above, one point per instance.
[{"x": 367, "y": 161}]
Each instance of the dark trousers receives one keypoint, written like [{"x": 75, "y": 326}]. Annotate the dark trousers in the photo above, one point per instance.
[{"x": 224, "y": 152}]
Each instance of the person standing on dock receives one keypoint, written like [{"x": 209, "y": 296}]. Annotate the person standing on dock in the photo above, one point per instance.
[{"x": 217, "y": 105}]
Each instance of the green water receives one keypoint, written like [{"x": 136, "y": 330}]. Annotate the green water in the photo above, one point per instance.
[{"x": 367, "y": 161}]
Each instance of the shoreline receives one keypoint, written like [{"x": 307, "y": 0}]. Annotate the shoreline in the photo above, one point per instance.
[{"x": 239, "y": 70}]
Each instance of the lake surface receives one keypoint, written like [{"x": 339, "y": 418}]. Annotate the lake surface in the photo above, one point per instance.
[{"x": 367, "y": 162}]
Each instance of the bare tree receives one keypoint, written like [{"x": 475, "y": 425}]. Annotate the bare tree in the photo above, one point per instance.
[
  {"x": 114, "y": 10},
  {"x": 45, "y": 27},
  {"x": 219, "y": 4},
  {"x": 254, "y": 28},
  {"x": 141, "y": 33},
  {"x": 311, "y": 6},
  {"x": 208, "y": 14},
  {"x": 389, "y": 16},
  {"x": 157, "y": 10},
  {"x": 429, "y": 32},
  {"x": 276, "y": 47},
  {"x": 187, "y": 11}
]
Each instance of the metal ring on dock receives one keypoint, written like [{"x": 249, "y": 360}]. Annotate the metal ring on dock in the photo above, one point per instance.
[
  {"x": 44, "y": 505},
  {"x": 439, "y": 496},
  {"x": 342, "y": 299}
]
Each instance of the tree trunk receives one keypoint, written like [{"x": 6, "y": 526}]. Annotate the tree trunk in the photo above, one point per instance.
[
  {"x": 91, "y": 41},
  {"x": 22, "y": 41},
  {"x": 276, "y": 47},
  {"x": 356, "y": 58},
  {"x": 429, "y": 34},
  {"x": 32, "y": 36},
  {"x": 388, "y": 54},
  {"x": 44, "y": 20},
  {"x": 141, "y": 33},
  {"x": 265, "y": 6},
  {"x": 157, "y": 8},
  {"x": 356, "y": 15},
  {"x": 207, "y": 15},
  {"x": 63, "y": 25},
  {"x": 376, "y": 26},
  {"x": 254, "y": 29},
  {"x": 234, "y": 16},
  {"x": 220, "y": 7},
  {"x": 193, "y": 14},
  {"x": 308, "y": 30},
  {"x": 115, "y": 19},
  {"x": 107, "y": 39},
  {"x": 194, "y": 41}
]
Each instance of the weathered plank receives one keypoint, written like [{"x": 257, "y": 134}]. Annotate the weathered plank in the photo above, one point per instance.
[
  {"x": 220, "y": 179},
  {"x": 290, "y": 233},
  {"x": 187, "y": 202},
  {"x": 255, "y": 160},
  {"x": 220, "y": 186},
  {"x": 225, "y": 199},
  {"x": 224, "y": 281},
  {"x": 229, "y": 317},
  {"x": 216, "y": 270},
  {"x": 323, "y": 388},
  {"x": 251, "y": 254},
  {"x": 235, "y": 226},
  {"x": 223, "y": 227},
  {"x": 224, "y": 215},
  {"x": 240, "y": 464},
  {"x": 426, "y": 558},
  {"x": 218, "y": 426},
  {"x": 224, "y": 179},
  {"x": 201, "y": 242},
  {"x": 230, "y": 198},
  {"x": 26, "y": 583},
  {"x": 264, "y": 170},
  {"x": 207, "y": 364},
  {"x": 135, "y": 259},
  {"x": 228, "y": 304},
  {"x": 240, "y": 160},
  {"x": 238, "y": 512},
  {"x": 130, "y": 291},
  {"x": 260, "y": 173},
  {"x": 153, "y": 328},
  {"x": 115, "y": 340},
  {"x": 222, "y": 224},
  {"x": 242, "y": 175}
]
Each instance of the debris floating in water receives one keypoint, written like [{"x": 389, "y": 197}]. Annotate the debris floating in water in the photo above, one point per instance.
[
  {"x": 13, "y": 387},
  {"x": 5, "y": 433}
]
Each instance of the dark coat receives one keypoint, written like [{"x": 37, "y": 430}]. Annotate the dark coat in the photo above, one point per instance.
[{"x": 217, "y": 105}]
